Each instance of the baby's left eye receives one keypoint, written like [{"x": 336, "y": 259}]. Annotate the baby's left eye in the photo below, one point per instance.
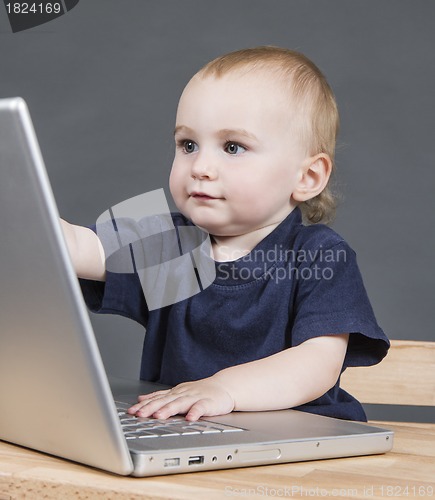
[{"x": 233, "y": 148}]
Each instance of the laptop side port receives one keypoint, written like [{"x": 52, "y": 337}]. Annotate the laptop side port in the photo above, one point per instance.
[
  {"x": 171, "y": 462},
  {"x": 196, "y": 460}
]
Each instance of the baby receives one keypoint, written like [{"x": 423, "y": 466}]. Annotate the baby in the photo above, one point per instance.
[{"x": 287, "y": 311}]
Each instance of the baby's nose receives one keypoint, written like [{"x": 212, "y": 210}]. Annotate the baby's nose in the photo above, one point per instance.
[{"x": 204, "y": 168}]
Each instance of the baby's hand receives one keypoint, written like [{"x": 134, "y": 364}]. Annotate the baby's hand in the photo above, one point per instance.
[{"x": 204, "y": 397}]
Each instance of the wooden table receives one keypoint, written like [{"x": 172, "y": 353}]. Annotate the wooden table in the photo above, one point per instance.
[{"x": 408, "y": 471}]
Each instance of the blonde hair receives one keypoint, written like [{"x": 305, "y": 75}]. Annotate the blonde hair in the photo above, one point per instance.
[{"x": 314, "y": 98}]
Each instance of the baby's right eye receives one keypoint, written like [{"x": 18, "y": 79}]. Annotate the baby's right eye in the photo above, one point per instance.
[{"x": 189, "y": 146}]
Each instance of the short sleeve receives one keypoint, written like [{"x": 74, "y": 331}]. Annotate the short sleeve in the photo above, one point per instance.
[
  {"x": 120, "y": 293},
  {"x": 331, "y": 299}
]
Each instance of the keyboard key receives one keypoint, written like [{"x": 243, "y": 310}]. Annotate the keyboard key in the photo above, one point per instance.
[
  {"x": 145, "y": 434},
  {"x": 190, "y": 431},
  {"x": 165, "y": 432}
]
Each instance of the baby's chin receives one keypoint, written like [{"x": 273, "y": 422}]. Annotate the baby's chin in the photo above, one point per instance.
[
  {"x": 204, "y": 225},
  {"x": 201, "y": 222},
  {"x": 215, "y": 226}
]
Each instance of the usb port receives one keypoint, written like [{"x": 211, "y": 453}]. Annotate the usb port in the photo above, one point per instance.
[
  {"x": 196, "y": 460},
  {"x": 171, "y": 462}
]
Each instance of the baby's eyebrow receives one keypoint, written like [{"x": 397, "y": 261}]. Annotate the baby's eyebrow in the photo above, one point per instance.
[
  {"x": 225, "y": 132},
  {"x": 237, "y": 132},
  {"x": 182, "y": 128}
]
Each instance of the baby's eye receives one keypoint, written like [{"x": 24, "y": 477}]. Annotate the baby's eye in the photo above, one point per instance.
[
  {"x": 233, "y": 148},
  {"x": 189, "y": 146}
]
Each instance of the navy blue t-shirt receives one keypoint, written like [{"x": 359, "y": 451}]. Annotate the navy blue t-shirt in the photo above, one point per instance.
[{"x": 298, "y": 283}]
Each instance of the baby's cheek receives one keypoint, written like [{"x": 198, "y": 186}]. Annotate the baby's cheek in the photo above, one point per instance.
[{"x": 176, "y": 185}]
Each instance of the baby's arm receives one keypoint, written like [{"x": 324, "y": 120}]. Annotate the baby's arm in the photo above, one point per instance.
[
  {"x": 86, "y": 250},
  {"x": 289, "y": 378}
]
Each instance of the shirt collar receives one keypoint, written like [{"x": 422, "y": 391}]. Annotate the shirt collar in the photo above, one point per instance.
[{"x": 265, "y": 255}]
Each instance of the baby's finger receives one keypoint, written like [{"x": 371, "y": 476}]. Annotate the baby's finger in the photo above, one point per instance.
[
  {"x": 145, "y": 399},
  {"x": 142, "y": 397},
  {"x": 147, "y": 407},
  {"x": 179, "y": 405},
  {"x": 198, "y": 410}
]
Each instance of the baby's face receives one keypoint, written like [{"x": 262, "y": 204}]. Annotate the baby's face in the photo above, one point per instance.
[{"x": 238, "y": 157}]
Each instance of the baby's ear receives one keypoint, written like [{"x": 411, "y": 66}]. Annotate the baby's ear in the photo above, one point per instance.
[{"x": 314, "y": 177}]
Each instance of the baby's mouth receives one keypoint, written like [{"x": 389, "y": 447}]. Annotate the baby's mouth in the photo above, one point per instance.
[{"x": 197, "y": 195}]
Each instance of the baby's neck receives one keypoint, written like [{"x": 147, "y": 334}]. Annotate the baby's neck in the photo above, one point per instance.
[{"x": 229, "y": 248}]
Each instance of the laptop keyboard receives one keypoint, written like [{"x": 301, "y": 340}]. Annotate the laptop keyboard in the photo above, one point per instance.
[{"x": 145, "y": 428}]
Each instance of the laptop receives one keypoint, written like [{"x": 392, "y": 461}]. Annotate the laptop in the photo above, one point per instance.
[{"x": 55, "y": 396}]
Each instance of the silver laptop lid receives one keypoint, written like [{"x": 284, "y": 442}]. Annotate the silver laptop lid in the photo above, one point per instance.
[{"x": 44, "y": 326}]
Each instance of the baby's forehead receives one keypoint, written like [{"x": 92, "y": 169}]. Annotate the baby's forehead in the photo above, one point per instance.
[
  {"x": 247, "y": 83},
  {"x": 250, "y": 75}
]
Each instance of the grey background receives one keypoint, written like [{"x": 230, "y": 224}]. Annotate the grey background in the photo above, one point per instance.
[{"x": 102, "y": 83}]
